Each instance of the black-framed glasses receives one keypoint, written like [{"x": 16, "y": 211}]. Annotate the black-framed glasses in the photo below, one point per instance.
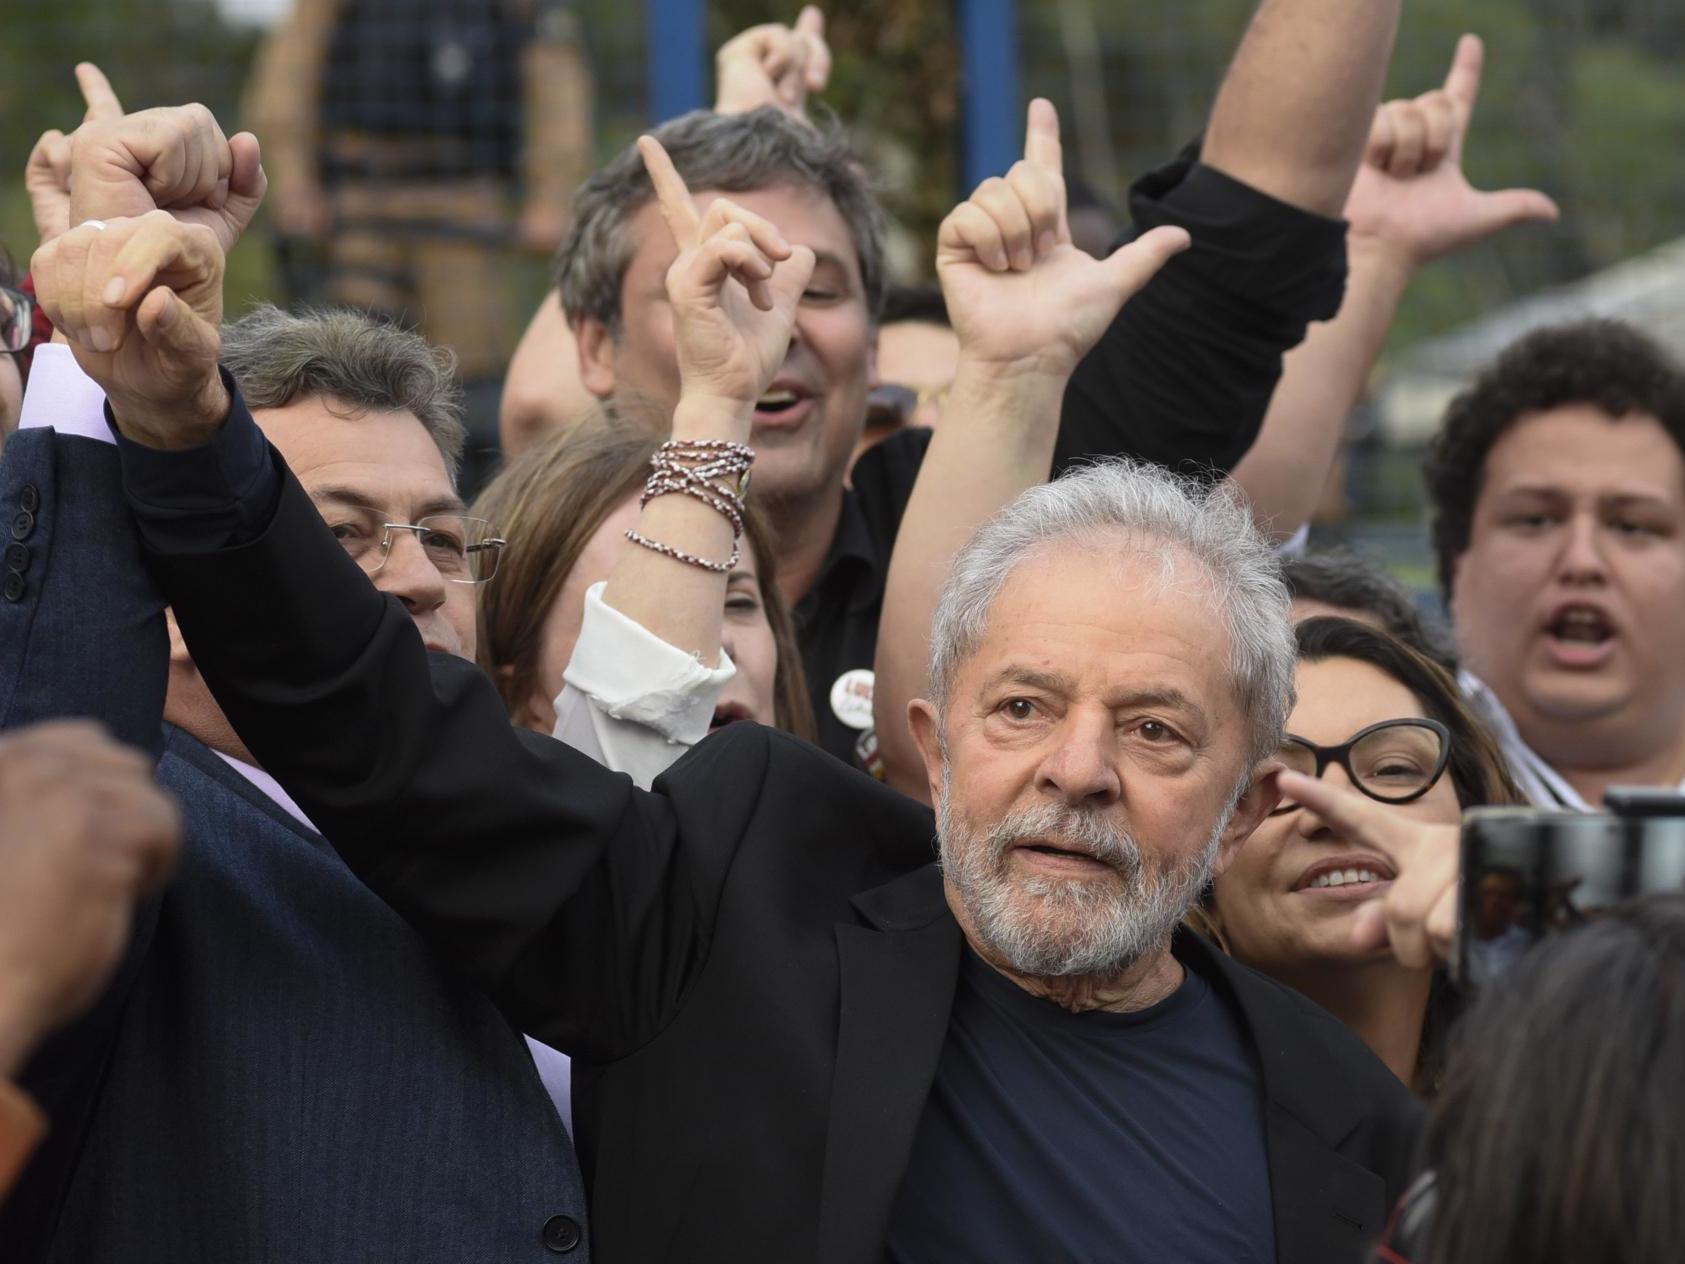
[
  {"x": 1395, "y": 761},
  {"x": 17, "y": 319},
  {"x": 464, "y": 550}
]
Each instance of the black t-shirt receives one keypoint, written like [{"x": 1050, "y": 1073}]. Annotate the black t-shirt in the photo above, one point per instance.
[
  {"x": 1182, "y": 377},
  {"x": 1117, "y": 1138}
]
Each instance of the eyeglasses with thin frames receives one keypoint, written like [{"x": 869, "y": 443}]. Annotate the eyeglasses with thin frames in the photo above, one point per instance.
[
  {"x": 1395, "y": 761},
  {"x": 464, "y": 549}
]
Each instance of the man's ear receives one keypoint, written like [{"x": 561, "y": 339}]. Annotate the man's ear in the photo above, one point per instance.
[
  {"x": 179, "y": 657},
  {"x": 925, "y": 725},
  {"x": 1257, "y": 803},
  {"x": 596, "y": 355}
]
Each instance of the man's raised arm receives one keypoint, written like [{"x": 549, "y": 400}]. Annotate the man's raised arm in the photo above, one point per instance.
[
  {"x": 1185, "y": 373},
  {"x": 573, "y": 899},
  {"x": 1411, "y": 204}
]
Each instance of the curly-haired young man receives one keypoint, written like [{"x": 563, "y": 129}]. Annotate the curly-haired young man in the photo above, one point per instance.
[{"x": 1558, "y": 490}]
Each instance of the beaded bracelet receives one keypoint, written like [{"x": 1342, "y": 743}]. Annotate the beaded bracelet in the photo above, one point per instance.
[{"x": 690, "y": 467}]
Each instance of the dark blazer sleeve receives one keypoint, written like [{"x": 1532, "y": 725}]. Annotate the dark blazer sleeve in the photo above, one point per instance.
[
  {"x": 582, "y": 905},
  {"x": 81, "y": 622},
  {"x": 1184, "y": 375}
]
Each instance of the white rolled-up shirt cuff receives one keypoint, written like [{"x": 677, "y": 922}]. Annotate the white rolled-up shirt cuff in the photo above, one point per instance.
[{"x": 633, "y": 675}]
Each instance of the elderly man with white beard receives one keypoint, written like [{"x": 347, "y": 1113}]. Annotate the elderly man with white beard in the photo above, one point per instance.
[{"x": 796, "y": 1037}]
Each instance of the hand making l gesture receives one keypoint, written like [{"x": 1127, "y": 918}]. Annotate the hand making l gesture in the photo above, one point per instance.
[
  {"x": 175, "y": 159},
  {"x": 1020, "y": 295},
  {"x": 773, "y": 64},
  {"x": 730, "y": 338},
  {"x": 1411, "y": 194}
]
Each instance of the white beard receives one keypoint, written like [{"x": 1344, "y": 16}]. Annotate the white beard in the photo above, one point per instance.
[{"x": 1054, "y": 927}]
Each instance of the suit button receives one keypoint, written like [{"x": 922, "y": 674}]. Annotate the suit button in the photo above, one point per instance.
[
  {"x": 29, "y": 500},
  {"x": 561, "y": 1234},
  {"x": 22, "y": 525},
  {"x": 14, "y": 587},
  {"x": 17, "y": 558}
]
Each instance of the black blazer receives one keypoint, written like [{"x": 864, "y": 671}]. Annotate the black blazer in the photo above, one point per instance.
[{"x": 753, "y": 965}]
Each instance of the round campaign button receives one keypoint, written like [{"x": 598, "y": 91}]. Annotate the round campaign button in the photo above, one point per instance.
[{"x": 851, "y": 698}]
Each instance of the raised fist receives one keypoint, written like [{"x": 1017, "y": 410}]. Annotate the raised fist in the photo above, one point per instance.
[{"x": 140, "y": 301}]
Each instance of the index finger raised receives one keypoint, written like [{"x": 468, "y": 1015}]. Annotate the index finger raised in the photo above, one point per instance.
[
  {"x": 1041, "y": 137},
  {"x": 1462, "y": 83},
  {"x": 677, "y": 206},
  {"x": 102, "y": 102}
]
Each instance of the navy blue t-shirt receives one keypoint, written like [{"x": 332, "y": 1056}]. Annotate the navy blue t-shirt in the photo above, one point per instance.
[{"x": 1050, "y": 1136}]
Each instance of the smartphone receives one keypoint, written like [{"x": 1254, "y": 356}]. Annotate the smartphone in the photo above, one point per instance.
[{"x": 1528, "y": 872}]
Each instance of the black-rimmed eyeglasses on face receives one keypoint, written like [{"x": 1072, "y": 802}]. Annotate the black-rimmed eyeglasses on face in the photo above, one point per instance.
[
  {"x": 464, "y": 550},
  {"x": 1395, "y": 761},
  {"x": 17, "y": 319}
]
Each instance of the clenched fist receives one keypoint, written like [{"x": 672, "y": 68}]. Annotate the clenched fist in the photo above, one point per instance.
[
  {"x": 140, "y": 301},
  {"x": 84, "y": 832}
]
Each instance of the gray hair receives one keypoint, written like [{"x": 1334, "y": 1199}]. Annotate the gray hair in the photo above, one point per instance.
[
  {"x": 348, "y": 356},
  {"x": 1181, "y": 520},
  {"x": 733, "y": 153}
]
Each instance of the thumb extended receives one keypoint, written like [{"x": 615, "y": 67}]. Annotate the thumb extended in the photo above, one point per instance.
[
  {"x": 1131, "y": 266},
  {"x": 1509, "y": 207},
  {"x": 174, "y": 328}
]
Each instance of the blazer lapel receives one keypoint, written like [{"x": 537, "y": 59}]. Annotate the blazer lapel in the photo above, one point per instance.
[
  {"x": 898, "y": 974},
  {"x": 1327, "y": 1207}
]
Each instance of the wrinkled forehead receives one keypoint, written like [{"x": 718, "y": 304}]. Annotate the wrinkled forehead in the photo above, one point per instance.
[
  {"x": 385, "y": 461},
  {"x": 1103, "y": 610}
]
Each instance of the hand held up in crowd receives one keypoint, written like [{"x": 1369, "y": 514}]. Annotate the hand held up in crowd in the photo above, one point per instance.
[
  {"x": 140, "y": 301},
  {"x": 733, "y": 290},
  {"x": 774, "y": 65},
  {"x": 1417, "y": 918},
  {"x": 84, "y": 831},
  {"x": 176, "y": 159},
  {"x": 1411, "y": 197},
  {"x": 47, "y": 174},
  {"x": 730, "y": 339},
  {"x": 1021, "y": 297}
]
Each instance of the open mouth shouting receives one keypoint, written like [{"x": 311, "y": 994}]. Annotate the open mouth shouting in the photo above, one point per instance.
[
  {"x": 1579, "y": 634},
  {"x": 786, "y": 404}
]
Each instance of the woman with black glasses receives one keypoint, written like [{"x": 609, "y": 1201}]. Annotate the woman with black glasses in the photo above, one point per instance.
[{"x": 1375, "y": 717}]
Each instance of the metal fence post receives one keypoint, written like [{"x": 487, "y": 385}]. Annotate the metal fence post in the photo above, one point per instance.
[
  {"x": 992, "y": 124},
  {"x": 676, "y": 56}
]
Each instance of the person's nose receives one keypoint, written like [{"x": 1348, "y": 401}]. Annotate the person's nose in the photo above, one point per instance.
[
  {"x": 410, "y": 575},
  {"x": 1081, "y": 768},
  {"x": 1582, "y": 560}
]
